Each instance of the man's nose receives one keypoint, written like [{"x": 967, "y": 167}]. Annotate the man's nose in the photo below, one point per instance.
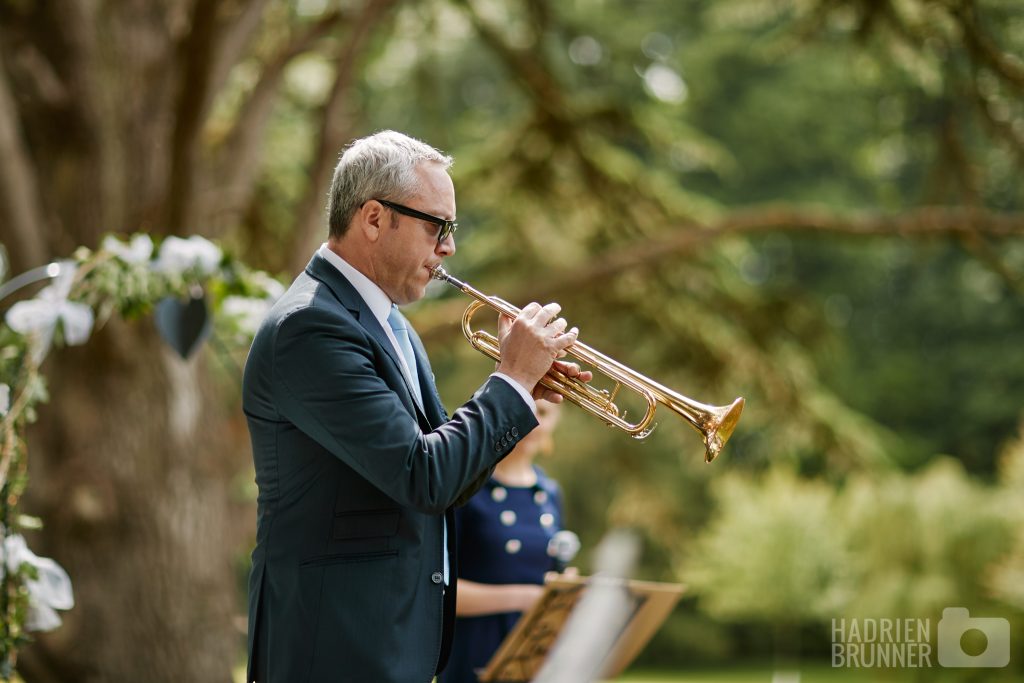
[{"x": 446, "y": 247}]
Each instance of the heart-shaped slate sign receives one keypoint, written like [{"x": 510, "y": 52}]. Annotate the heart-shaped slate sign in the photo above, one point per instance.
[{"x": 183, "y": 324}]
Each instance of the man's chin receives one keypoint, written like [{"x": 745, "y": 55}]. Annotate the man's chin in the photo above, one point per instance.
[{"x": 413, "y": 295}]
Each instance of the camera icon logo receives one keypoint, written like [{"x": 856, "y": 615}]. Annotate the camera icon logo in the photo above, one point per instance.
[{"x": 955, "y": 622}]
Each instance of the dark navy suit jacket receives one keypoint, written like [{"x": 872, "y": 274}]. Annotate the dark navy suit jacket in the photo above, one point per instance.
[{"x": 355, "y": 481}]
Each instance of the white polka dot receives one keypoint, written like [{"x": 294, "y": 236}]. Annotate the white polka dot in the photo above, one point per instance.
[
  {"x": 540, "y": 497},
  {"x": 508, "y": 517},
  {"x": 547, "y": 519},
  {"x": 498, "y": 494},
  {"x": 513, "y": 545}
]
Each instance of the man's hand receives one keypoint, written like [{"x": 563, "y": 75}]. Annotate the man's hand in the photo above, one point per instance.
[
  {"x": 531, "y": 345},
  {"x": 571, "y": 370}
]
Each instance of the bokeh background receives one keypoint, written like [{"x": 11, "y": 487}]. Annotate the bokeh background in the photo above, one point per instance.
[{"x": 815, "y": 204}]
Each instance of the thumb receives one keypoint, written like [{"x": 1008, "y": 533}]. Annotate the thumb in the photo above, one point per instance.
[{"x": 504, "y": 325}]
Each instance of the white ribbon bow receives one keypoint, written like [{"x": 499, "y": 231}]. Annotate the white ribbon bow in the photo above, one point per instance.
[
  {"x": 49, "y": 592},
  {"x": 37, "y": 318}
]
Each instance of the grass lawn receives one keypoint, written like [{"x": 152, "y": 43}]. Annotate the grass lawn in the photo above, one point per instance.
[
  {"x": 821, "y": 673},
  {"x": 809, "y": 673}
]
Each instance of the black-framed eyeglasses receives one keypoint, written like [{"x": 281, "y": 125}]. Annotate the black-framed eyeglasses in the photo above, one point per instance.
[{"x": 446, "y": 227}]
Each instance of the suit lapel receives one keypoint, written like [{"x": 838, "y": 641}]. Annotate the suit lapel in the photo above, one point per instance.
[{"x": 320, "y": 269}]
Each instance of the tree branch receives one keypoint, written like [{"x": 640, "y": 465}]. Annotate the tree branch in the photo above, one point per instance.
[
  {"x": 20, "y": 209},
  {"x": 94, "y": 98},
  {"x": 986, "y": 52},
  {"x": 999, "y": 127},
  {"x": 234, "y": 34},
  {"x": 335, "y": 129},
  {"x": 210, "y": 50},
  {"x": 525, "y": 65},
  {"x": 923, "y": 223},
  {"x": 43, "y": 84},
  {"x": 197, "y": 55},
  {"x": 239, "y": 158}
]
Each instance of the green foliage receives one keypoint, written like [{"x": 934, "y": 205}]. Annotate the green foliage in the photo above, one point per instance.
[
  {"x": 860, "y": 361},
  {"x": 1006, "y": 577},
  {"x": 772, "y": 552},
  {"x": 919, "y": 339},
  {"x": 950, "y": 531},
  {"x": 780, "y": 549}
]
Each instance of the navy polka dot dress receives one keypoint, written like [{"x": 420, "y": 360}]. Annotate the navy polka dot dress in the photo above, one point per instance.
[{"x": 503, "y": 535}]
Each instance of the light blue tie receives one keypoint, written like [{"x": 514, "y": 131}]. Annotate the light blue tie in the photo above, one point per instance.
[{"x": 401, "y": 329}]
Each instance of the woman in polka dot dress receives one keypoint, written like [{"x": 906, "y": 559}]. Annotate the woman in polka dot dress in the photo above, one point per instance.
[{"x": 503, "y": 535}]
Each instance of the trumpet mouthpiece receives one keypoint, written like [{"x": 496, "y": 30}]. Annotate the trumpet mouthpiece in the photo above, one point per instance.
[{"x": 438, "y": 273}]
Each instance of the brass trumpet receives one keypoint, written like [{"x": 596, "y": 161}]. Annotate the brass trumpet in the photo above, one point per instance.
[{"x": 714, "y": 423}]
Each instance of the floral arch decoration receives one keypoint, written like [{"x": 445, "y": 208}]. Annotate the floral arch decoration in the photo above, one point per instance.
[{"x": 192, "y": 287}]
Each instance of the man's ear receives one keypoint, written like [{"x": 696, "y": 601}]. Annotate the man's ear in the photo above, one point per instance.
[{"x": 372, "y": 220}]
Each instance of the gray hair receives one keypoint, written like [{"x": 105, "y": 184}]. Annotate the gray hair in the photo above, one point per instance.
[{"x": 379, "y": 166}]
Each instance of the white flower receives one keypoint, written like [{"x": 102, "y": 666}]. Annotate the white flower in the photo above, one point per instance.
[
  {"x": 5, "y": 399},
  {"x": 38, "y": 317},
  {"x": 139, "y": 250},
  {"x": 249, "y": 312},
  {"x": 273, "y": 289},
  {"x": 49, "y": 592},
  {"x": 246, "y": 312},
  {"x": 178, "y": 255}
]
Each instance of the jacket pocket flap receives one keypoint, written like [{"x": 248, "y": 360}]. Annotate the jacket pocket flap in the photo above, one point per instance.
[{"x": 365, "y": 524}]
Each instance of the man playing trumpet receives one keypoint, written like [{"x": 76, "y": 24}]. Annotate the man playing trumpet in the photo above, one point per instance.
[{"x": 358, "y": 465}]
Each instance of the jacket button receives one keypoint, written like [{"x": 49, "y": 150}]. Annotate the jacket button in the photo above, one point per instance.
[
  {"x": 437, "y": 577},
  {"x": 515, "y": 431}
]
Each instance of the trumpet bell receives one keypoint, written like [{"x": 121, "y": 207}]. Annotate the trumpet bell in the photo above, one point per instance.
[{"x": 719, "y": 428}]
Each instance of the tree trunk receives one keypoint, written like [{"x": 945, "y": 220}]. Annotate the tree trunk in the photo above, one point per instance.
[
  {"x": 131, "y": 460},
  {"x": 129, "y": 468}
]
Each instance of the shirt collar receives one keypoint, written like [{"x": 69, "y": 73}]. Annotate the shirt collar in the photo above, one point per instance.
[{"x": 375, "y": 298}]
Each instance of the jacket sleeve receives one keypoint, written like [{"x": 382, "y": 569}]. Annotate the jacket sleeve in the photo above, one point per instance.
[{"x": 326, "y": 383}]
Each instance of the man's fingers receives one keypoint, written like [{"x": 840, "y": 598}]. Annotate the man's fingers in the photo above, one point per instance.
[
  {"x": 536, "y": 315},
  {"x": 572, "y": 371},
  {"x": 551, "y": 396},
  {"x": 530, "y": 311},
  {"x": 547, "y": 314},
  {"x": 564, "y": 341}
]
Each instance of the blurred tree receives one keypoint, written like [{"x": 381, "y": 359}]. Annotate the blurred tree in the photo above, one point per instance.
[
  {"x": 128, "y": 116},
  {"x": 773, "y": 554},
  {"x": 937, "y": 556},
  {"x": 784, "y": 551},
  {"x": 1006, "y": 577}
]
